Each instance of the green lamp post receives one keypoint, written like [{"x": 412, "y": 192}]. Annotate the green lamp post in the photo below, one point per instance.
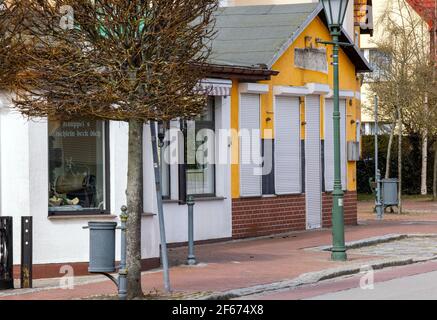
[{"x": 335, "y": 11}]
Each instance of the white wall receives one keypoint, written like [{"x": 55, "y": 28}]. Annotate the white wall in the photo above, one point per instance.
[
  {"x": 24, "y": 192},
  {"x": 212, "y": 218}
]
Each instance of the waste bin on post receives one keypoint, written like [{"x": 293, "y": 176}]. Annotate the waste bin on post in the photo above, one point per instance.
[
  {"x": 102, "y": 251},
  {"x": 390, "y": 192},
  {"x": 102, "y": 247}
]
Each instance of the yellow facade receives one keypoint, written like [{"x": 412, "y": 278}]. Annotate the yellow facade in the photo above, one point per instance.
[{"x": 289, "y": 75}]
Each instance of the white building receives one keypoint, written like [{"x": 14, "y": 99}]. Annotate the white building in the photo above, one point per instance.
[{"x": 35, "y": 154}]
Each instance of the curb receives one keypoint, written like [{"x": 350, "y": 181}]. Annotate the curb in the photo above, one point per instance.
[
  {"x": 367, "y": 242},
  {"x": 376, "y": 240},
  {"x": 314, "y": 277}
]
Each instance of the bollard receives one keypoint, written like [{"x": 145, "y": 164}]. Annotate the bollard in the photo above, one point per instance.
[
  {"x": 191, "y": 258},
  {"x": 6, "y": 254},
  {"x": 379, "y": 205},
  {"x": 26, "y": 252},
  {"x": 122, "y": 271}
]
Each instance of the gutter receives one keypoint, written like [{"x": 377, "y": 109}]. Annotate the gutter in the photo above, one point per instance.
[{"x": 239, "y": 72}]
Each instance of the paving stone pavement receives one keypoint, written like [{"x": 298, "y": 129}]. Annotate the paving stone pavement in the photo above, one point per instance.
[
  {"x": 416, "y": 246},
  {"x": 238, "y": 265}
]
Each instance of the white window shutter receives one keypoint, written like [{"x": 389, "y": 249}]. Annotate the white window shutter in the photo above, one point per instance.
[
  {"x": 313, "y": 163},
  {"x": 287, "y": 146},
  {"x": 343, "y": 144},
  {"x": 329, "y": 144},
  {"x": 250, "y": 146}
]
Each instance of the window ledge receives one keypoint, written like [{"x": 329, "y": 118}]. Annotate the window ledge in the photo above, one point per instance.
[
  {"x": 169, "y": 201},
  {"x": 148, "y": 214},
  {"x": 199, "y": 199},
  {"x": 82, "y": 217}
]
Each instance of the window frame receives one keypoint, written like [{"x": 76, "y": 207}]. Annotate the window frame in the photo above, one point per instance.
[
  {"x": 165, "y": 143},
  {"x": 210, "y": 124},
  {"x": 107, "y": 182},
  {"x": 376, "y": 58}
]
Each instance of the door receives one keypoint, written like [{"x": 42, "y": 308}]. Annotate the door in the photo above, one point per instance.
[
  {"x": 287, "y": 146},
  {"x": 313, "y": 165},
  {"x": 250, "y": 146}
]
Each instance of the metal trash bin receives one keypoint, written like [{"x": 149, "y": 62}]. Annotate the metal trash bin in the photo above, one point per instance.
[
  {"x": 390, "y": 192},
  {"x": 102, "y": 247}
]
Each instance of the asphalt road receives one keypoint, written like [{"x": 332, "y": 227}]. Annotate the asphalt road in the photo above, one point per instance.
[
  {"x": 418, "y": 287},
  {"x": 412, "y": 282}
]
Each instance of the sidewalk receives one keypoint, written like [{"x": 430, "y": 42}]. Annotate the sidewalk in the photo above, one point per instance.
[{"x": 242, "y": 264}]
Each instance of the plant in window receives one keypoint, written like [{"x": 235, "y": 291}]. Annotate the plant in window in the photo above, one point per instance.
[{"x": 132, "y": 61}]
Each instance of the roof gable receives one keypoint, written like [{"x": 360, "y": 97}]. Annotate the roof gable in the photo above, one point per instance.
[
  {"x": 254, "y": 35},
  {"x": 259, "y": 35}
]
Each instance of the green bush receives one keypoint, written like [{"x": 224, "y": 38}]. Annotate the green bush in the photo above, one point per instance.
[{"x": 411, "y": 155}]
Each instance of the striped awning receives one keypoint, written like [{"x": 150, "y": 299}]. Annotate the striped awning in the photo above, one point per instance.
[{"x": 217, "y": 87}]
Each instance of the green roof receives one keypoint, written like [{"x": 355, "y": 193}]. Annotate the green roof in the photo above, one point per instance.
[{"x": 258, "y": 35}]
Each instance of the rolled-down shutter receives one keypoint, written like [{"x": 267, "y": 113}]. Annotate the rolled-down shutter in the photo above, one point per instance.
[
  {"x": 329, "y": 144},
  {"x": 287, "y": 146},
  {"x": 313, "y": 163},
  {"x": 250, "y": 146},
  {"x": 343, "y": 144}
]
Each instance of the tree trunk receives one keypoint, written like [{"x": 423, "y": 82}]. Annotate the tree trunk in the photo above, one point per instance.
[
  {"x": 400, "y": 158},
  {"x": 390, "y": 145},
  {"x": 135, "y": 208},
  {"x": 424, "y": 187},
  {"x": 434, "y": 182}
]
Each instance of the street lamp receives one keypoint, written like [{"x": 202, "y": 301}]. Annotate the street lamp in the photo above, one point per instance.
[{"x": 335, "y": 11}]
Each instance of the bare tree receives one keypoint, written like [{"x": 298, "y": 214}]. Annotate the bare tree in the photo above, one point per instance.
[
  {"x": 405, "y": 87},
  {"x": 389, "y": 149},
  {"x": 132, "y": 61}
]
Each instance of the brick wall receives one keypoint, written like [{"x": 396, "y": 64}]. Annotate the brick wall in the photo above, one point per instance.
[
  {"x": 254, "y": 217},
  {"x": 350, "y": 209}
]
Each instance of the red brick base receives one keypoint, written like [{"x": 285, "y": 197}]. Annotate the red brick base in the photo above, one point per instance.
[
  {"x": 254, "y": 217},
  {"x": 350, "y": 209},
  {"x": 52, "y": 270}
]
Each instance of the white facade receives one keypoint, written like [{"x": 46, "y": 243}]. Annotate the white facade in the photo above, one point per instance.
[{"x": 24, "y": 177}]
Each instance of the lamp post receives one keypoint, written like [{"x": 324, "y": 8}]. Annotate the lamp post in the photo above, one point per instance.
[{"x": 335, "y": 11}]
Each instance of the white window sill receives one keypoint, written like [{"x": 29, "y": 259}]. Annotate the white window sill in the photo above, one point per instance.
[{"x": 83, "y": 217}]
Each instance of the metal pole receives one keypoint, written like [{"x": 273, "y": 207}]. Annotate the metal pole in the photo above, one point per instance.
[
  {"x": 191, "y": 258},
  {"x": 338, "y": 248},
  {"x": 122, "y": 272},
  {"x": 26, "y": 252},
  {"x": 378, "y": 203},
  {"x": 157, "y": 168}
]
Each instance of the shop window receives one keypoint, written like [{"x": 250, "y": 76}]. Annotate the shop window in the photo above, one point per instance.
[
  {"x": 78, "y": 167},
  {"x": 200, "y": 153}
]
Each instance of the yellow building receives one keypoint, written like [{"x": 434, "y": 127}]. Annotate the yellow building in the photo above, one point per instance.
[{"x": 290, "y": 189}]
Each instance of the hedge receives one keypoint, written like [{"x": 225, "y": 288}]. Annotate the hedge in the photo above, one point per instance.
[{"x": 411, "y": 161}]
